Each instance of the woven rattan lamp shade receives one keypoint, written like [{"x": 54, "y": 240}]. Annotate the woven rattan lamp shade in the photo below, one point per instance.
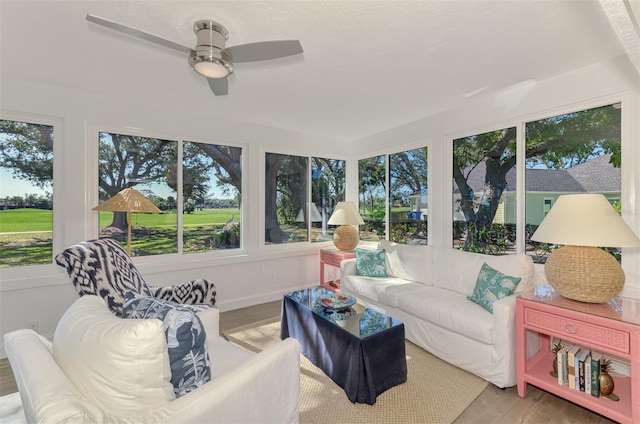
[
  {"x": 581, "y": 270},
  {"x": 128, "y": 200},
  {"x": 346, "y": 237}
]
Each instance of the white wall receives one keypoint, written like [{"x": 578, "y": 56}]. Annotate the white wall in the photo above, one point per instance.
[
  {"x": 259, "y": 274},
  {"x": 254, "y": 275},
  {"x": 596, "y": 85}
]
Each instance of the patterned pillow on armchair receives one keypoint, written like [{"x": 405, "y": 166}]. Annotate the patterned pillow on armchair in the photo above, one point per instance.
[{"x": 102, "y": 268}]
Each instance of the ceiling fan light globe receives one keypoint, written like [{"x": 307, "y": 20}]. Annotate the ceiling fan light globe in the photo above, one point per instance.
[{"x": 211, "y": 67}]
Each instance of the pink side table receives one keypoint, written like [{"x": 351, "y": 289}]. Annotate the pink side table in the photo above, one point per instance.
[
  {"x": 332, "y": 257},
  {"x": 612, "y": 328}
]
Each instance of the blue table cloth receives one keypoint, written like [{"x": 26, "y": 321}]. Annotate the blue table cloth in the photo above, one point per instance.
[{"x": 363, "y": 367}]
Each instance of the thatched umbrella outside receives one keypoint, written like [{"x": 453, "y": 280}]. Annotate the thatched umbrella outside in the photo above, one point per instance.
[{"x": 128, "y": 200}]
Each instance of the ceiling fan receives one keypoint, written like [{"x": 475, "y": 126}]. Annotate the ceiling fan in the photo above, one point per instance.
[{"x": 210, "y": 57}]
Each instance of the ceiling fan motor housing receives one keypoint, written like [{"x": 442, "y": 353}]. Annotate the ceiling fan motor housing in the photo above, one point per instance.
[{"x": 208, "y": 57}]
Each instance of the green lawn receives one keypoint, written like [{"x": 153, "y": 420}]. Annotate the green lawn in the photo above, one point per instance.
[
  {"x": 26, "y": 234},
  {"x": 207, "y": 216},
  {"x": 22, "y": 220}
]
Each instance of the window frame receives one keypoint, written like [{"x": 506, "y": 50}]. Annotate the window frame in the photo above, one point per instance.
[
  {"x": 551, "y": 200},
  {"x": 42, "y": 270},
  {"x": 169, "y": 261},
  {"x": 274, "y": 248},
  {"x": 628, "y": 173},
  {"x": 423, "y": 142}
]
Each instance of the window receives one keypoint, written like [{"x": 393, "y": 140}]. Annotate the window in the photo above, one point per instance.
[
  {"x": 285, "y": 199},
  {"x": 296, "y": 211},
  {"x": 484, "y": 192},
  {"x": 577, "y": 152},
  {"x": 546, "y": 205},
  {"x": 408, "y": 196},
  {"x": 212, "y": 187},
  {"x": 209, "y": 184},
  {"x": 373, "y": 197},
  {"x": 26, "y": 193},
  {"x": 327, "y": 189}
]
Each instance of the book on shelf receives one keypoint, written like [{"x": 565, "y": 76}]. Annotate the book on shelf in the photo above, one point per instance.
[
  {"x": 596, "y": 357},
  {"x": 587, "y": 373},
  {"x": 580, "y": 360},
  {"x": 562, "y": 364},
  {"x": 571, "y": 366}
]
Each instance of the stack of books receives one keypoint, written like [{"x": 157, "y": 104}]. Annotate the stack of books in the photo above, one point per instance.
[{"x": 579, "y": 369}]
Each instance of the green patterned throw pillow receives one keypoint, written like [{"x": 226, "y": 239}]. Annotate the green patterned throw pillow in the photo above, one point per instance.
[
  {"x": 370, "y": 263},
  {"x": 492, "y": 285}
]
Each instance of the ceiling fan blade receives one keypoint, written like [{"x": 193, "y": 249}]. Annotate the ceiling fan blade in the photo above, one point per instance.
[
  {"x": 264, "y": 50},
  {"x": 219, "y": 86},
  {"x": 138, "y": 33}
]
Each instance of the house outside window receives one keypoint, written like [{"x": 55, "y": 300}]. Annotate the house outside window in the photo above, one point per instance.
[
  {"x": 209, "y": 185},
  {"x": 26, "y": 193},
  {"x": 484, "y": 169},
  {"x": 578, "y": 152}
]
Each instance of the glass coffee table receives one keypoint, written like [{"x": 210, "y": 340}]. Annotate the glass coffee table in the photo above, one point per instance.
[{"x": 360, "y": 349}]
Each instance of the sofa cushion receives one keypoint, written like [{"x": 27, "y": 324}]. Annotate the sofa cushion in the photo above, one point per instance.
[
  {"x": 458, "y": 270},
  {"x": 492, "y": 285},
  {"x": 370, "y": 263},
  {"x": 120, "y": 365},
  {"x": 186, "y": 339},
  {"x": 408, "y": 261},
  {"x": 451, "y": 311}
]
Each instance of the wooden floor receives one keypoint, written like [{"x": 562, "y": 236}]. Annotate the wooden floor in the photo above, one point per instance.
[{"x": 494, "y": 405}]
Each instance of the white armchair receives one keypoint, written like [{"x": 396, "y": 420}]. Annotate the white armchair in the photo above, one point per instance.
[{"x": 244, "y": 388}]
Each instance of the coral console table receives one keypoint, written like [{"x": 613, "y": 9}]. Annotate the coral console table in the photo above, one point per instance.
[
  {"x": 332, "y": 257},
  {"x": 612, "y": 328}
]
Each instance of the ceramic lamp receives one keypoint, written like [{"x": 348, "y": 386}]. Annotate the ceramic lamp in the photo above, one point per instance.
[
  {"x": 581, "y": 270},
  {"x": 346, "y": 237}
]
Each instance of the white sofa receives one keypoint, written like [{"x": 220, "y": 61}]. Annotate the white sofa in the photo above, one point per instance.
[
  {"x": 133, "y": 387},
  {"x": 427, "y": 287}
]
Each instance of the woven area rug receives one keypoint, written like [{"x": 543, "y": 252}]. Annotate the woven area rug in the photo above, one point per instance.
[{"x": 435, "y": 392}]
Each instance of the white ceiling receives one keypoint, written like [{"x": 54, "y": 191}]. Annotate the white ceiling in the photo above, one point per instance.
[{"x": 368, "y": 65}]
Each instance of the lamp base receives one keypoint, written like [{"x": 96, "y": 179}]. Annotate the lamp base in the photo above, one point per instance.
[
  {"x": 346, "y": 237},
  {"x": 586, "y": 274}
]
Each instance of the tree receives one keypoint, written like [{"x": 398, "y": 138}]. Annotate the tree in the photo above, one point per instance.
[
  {"x": 408, "y": 171},
  {"x": 27, "y": 150},
  {"x": 327, "y": 184},
  {"x": 125, "y": 161},
  {"x": 285, "y": 193},
  {"x": 372, "y": 181},
  {"x": 558, "y": 143}
]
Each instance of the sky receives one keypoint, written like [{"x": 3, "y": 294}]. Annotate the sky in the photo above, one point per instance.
[{"x": 10, "y": 186}]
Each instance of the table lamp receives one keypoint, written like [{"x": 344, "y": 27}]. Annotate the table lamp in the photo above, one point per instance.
[
  {"x": 316, "y": 216},
  {"x": 128, "y": 200},
  {"x": 580, "y": 270},
  {"x": 345, "y": 237}
]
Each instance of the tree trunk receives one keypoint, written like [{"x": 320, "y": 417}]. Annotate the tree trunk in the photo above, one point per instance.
[{"x": 273, "y": 232}]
